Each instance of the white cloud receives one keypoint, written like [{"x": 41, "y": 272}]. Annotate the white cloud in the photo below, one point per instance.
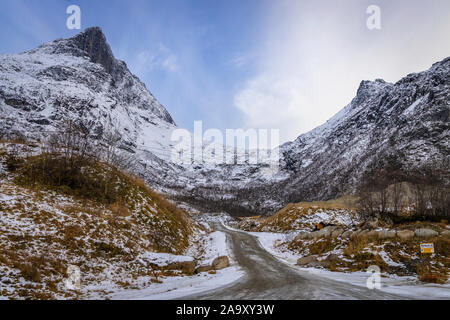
[
  {"x": 162, "y": 58},
  {"x": 317, "y": 53}
]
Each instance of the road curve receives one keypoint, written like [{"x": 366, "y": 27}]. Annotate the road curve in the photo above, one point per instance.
[{"x": 268, "y": 278}]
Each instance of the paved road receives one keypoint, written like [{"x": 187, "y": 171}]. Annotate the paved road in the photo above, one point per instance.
[{"x": 268, "y": 278}]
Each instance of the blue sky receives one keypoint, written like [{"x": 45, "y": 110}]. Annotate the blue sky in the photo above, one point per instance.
[{"x": 286, "y": 64}]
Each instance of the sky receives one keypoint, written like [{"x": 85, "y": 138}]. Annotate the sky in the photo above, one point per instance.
[{"x": 281, "y": 64}]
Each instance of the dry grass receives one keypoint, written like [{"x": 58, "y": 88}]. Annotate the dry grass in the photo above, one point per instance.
[
  {"x": 296, "y": 216},
  {"x": 322, "y": 246},
  {"x": 96, "y": 235},
  {"x": 119, "y": 209},
  {"x": 355, "y": 246}
]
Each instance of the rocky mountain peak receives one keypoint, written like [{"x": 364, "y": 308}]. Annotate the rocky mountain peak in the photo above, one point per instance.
[
  {"x": 368, "y": 89},
  {"x": 93, "y": 42}
]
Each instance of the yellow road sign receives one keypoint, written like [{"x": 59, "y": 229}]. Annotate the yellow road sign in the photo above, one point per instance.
[{"x": 427, "y": 248}]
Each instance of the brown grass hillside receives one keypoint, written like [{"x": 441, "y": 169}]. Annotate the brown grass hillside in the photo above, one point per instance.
[{"x": 101, "y": 222}]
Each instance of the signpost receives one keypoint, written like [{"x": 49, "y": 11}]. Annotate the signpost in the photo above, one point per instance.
[{"x": 427, "y": 248}]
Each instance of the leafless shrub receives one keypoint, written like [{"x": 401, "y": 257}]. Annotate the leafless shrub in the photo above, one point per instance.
[{"x": 383, "y": 191}]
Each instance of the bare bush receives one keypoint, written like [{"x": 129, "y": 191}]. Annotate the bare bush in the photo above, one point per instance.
[{"x": 382, "y": 192}]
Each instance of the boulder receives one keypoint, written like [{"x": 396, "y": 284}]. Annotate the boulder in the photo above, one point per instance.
[
  {"x": 306, "y": 260},
  {"x": 303, "y": 235},
  {"x": 336, "y": 232},
  {"x": 372, "y": 234},
  {"x": 324, "y": 233},
  {"x": 204, "y": 268},
  {"x": 332, "y": 257},
  {"x": 187, "y": 267},
  {"x": 324, "y": 263},
  {"x": 386, "y": 234},
  {"x": 405, "y": 234},
  {"x": 425, "y": 233},
  {"x": 221, "y": 263}
]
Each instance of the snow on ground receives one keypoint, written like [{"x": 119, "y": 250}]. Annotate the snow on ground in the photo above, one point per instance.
[
  {"x": 178, "y": 287},
  {"x": 214, "y": 245},
  {"x": 403, "y": 286},
  {"x": 162, "y": 259}
]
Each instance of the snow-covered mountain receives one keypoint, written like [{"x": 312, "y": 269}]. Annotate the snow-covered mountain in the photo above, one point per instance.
[
  {"x": 405, "y": 124},
  {"x": 80, "y": 79}
]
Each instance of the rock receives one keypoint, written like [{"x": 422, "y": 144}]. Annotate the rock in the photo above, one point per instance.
[
  {"x": 303, "y": 235},
  {"x": 187, "y": 267},
  {"x": 221, "y": 263},
  {"x": 204, "y": 268},
  {"x": 405, "y": 234},
  {"x": 306, "y": 260},
  {"x": 332, "y": 257},
  {"x": 336, "y": 232},
  {"x": 425, "y": 233},
  {"x": 324, "y": 233},
  {"x": 372, "y": 234},
  {"x": 359, "y": 234},
  {"x": 324, "y": 263},
  {"x": 386, "y": 234}
]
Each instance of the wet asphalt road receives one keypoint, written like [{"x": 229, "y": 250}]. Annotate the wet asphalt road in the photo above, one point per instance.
[{"x": 268, "y": 278}]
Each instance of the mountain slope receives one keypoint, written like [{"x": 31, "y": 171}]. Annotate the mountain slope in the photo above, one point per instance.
[
  {"x": 405, "y": 124},
  {"x": 77, "y": 78}
]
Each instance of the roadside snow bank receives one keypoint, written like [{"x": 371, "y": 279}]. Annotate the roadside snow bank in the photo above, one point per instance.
[
  {"x": 215, "y": 246},
  {"x": 207, "y": 248},
  {"x": 183, "y": 286}
]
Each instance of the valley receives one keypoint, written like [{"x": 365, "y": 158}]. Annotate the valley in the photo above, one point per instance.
[{"x": 88, "y": 182}]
